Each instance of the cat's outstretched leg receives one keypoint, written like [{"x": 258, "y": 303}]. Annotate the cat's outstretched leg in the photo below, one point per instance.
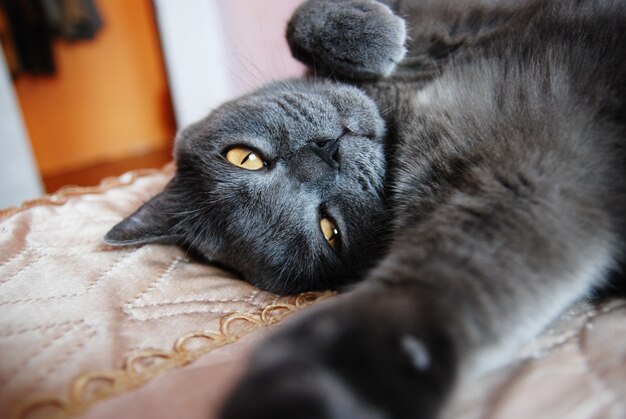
[
  {"x": 355, "y": 39},
  {"x": 359, "y": 357}
]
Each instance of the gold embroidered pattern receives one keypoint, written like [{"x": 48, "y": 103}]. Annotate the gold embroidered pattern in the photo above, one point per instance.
[{"x": 143, "y": 366}]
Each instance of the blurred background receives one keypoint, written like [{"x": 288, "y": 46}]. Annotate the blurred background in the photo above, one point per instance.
[{"x": 94, "y": 88}]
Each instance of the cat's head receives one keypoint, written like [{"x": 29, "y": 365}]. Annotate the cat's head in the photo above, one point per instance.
[{"x": 284, "y": 186}]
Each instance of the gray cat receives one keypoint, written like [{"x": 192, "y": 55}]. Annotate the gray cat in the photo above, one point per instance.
[{"x": 469, "y": 166}]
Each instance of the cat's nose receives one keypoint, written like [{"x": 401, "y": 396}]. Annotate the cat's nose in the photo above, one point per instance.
[
  {"x": 327, "y": 149},
  {"x": 317, "y": 161}
]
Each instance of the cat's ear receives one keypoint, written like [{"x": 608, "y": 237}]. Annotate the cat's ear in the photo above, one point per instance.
[{"x": 153, "y": 222}]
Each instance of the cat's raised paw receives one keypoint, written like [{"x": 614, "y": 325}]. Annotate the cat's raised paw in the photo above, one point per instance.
[{"x": 358, "y": 39}]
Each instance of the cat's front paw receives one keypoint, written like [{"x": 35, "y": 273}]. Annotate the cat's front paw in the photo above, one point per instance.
[
  {"x": 359, "y": 39},
  {"x": 296, "y": 388},
  {"x": 344, "y": 363}
]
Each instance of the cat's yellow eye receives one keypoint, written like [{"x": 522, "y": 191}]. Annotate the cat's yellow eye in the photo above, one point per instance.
[
  {"x": 330, "y": 232},
  {"x": 245, "y": 158}
]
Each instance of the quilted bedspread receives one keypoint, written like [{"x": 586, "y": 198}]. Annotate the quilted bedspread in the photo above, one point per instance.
[{"x": 92, "y": 331}]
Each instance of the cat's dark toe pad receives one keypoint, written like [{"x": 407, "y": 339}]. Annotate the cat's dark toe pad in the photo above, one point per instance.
[
  {"x": 295, "y": 389},
  {"x": 354, "y": 38}
]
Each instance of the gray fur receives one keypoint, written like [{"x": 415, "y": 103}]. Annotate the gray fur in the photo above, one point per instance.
[{"x": 502, "y": 202}]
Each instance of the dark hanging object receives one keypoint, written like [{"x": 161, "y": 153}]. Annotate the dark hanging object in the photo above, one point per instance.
[
  {"x": 31, "y": 36},
  {"x": 34, "y": 24},
  {"x": 79, "y": 19},
  {"x": 54, "y": 15}
]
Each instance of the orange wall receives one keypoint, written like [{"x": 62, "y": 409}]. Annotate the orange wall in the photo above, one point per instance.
[{"x": 109, "y": 98}]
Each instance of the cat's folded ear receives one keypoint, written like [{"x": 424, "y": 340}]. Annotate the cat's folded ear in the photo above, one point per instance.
[{"x": 153, "y": 222}]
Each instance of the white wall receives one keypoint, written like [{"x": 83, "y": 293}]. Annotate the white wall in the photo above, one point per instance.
[
  {"x": 258, "y": 52},
  {"x": 217, "y": 49},
  {"x": 19, "y": 178},
  {"x": 193, "y": 44}
]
